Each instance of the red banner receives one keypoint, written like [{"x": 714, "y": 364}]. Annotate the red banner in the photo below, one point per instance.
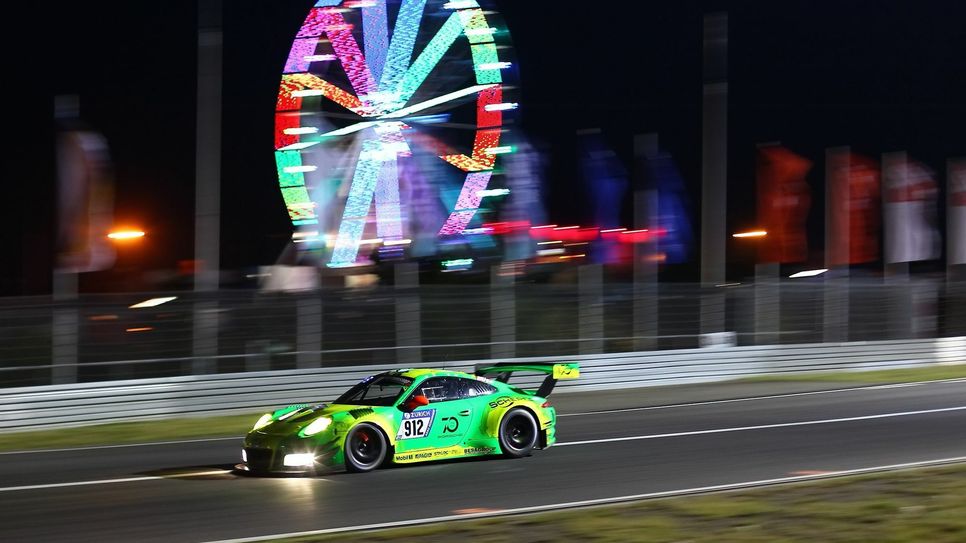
[
  {"x": 784, "y": 199},
  {"x": 956, "y": 231},
  {"x": 854, "y": 206}
]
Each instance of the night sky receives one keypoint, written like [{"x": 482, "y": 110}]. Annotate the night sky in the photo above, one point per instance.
[{"x": 878, "y": 75}]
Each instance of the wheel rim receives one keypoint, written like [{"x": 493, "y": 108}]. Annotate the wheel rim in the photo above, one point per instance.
[
  {"x": 364, "y": 447},
  {"x": 520, "y": 432}
]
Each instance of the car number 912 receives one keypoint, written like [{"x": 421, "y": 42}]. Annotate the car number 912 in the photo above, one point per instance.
[{"x": 416, "y": 424}]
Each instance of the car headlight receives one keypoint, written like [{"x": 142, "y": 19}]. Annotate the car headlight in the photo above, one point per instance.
[
  {"x": 264, "y": 421},
  {"x": 299, "y": 460},
  {"x": 317, "y": 426}
]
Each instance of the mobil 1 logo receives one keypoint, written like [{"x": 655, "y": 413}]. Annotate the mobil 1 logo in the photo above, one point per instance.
[{"x": 416, "y": 424}]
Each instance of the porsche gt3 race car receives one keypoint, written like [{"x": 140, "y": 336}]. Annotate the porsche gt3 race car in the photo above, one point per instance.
[{"x": 410, "y": 415}]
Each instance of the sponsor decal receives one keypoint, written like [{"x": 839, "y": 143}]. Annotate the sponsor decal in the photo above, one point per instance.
[
  {"x": 416, "y": 424},
  {"x": 438, "y": 454},
  {"x": 450, "y": 425},
  {"x": 503, "y": 401},
  {"x": 565, "y": 371},
  {"x": 428, "y": 454}
]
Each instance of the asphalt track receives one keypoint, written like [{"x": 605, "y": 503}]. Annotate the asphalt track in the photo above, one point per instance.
[{"x": 611, "y": 445}]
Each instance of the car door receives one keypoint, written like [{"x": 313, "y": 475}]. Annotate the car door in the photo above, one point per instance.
[{"x": 442, "y": 423}]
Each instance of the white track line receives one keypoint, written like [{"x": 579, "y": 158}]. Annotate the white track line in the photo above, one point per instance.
[
  {"x": 569, "y": 443},
  {"x": 580, "y": 414},
  {"x": 759, "y": 398},
  {"x": 98, "y": 447},
  {"x": 113, "y": 481},
  {"x": 764, "y": 426},
  {"x": 600, "y": 501}
]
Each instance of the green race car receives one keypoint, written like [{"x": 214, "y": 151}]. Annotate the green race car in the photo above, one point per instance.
[{"x": 408, "y": 416}]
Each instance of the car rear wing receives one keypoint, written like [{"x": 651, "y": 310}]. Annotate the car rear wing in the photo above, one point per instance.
[{"x": 501, "y": 371}]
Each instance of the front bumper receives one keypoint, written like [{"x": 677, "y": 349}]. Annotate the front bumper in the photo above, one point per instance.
[{"x": 266, "y": 453}]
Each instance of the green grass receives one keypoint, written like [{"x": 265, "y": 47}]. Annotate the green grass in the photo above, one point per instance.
[
  {"x": 130, "y": 432},
  {"x": 908, "y": 375},
  {"x": 900, "y": 507}
]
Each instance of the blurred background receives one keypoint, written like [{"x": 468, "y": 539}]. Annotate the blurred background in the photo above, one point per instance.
[
  {"x": 217, "y": 208},
  {"x": 774, "y": 173}
]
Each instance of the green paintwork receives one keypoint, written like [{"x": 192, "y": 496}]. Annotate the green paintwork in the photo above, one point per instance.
[{"x": 450, "y": 429}]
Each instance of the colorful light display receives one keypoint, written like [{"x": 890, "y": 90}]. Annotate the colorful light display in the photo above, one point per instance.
[{"x": 346, "y": 116}]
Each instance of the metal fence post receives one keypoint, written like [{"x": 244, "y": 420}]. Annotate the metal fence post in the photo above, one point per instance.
[
  {"x": 503, "y": 314},
  {"x": 835, "y": 320},
  {"x": 767, "y": 304},
  {"x": 955, "y": 321},
  {"x": 714, "y": 171},
  {"x": 835, "y": 315},
  {"x": 901, "y": 309},
  {"x": 205, "y": 337},
  {"x": 925, "y": 309},
  {"x": 64, "y": 329},
  {"x": 955, "y": 306},
  {"x": 207, "y": 185},
  {"x": 408, "y": 317},
  {"x": 645, "y": 288},
  {"x": 309, "y": 330},
  {"x": 591, "y": 309}
]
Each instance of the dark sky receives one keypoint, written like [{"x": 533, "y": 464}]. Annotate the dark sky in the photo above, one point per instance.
[{"x": 878, "y": 75}]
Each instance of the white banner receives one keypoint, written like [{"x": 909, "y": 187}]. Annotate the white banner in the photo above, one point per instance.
[
  {"x": 85, "y": 214},
  {"x": 911, "y": 195}
]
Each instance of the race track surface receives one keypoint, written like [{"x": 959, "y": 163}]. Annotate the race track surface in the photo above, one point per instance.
[{"x": 610, "y": 446}]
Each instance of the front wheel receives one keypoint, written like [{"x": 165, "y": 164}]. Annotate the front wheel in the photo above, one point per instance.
[
  {"x": 365, "y": 448},
  {"x": 518, "y": 433}
]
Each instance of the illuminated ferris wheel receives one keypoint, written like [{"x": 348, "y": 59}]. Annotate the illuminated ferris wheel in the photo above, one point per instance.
[{"x": 383, "y": 139}]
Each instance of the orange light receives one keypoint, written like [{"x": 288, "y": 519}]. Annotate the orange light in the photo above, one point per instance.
[
  {"x": 119, "y": 235},
  {"x": 750, "y": 234},
  {"x": 141, "y": 329},
  {"x": 103, "y": 318}
]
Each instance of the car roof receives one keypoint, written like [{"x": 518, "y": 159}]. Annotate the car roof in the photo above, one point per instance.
[{"x": 415, "y": 373}]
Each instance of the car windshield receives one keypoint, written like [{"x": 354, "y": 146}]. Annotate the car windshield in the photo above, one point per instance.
[{"x": 383, "y": 389}]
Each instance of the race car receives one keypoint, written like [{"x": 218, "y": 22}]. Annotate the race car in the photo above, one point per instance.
[{"x": 410, "y": 415}]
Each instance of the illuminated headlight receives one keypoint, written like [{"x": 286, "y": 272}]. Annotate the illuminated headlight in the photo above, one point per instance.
[
  {"x": 264, "y": 421},
  {"x": 300, "y": 460},
  {"x": 317, "y": 426},
  {"x": 244, "y": 456}
]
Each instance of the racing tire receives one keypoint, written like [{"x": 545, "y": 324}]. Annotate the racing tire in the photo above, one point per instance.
[
  {"x": 518, "y": 433},
  {"x": 365, "y": 448}
]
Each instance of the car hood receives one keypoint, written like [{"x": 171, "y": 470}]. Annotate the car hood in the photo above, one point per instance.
[{"x": 304, "y": 416}]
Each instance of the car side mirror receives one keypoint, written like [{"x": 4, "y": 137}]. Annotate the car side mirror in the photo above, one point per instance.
[{"x": 415, "y": 402}]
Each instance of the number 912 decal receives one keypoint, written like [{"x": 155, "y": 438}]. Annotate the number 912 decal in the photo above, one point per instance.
[{"x": 416, "y": 424}]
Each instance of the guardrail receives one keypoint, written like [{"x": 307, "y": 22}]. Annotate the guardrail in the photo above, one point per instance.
[{"x": 52, "y": 406}]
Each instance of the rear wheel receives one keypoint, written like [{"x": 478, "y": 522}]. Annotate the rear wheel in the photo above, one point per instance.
[
  {"x": 365, "y": 448},
  {"x": 518, "y": 433}
]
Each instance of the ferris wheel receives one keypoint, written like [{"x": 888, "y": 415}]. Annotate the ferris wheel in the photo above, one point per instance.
[{"x": 385, "y": 139}]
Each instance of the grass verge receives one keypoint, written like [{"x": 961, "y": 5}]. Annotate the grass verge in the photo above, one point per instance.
[
  {"x": 237, "y": 425},
  {"x": 899, "y": 507},
  {"x": 130, "y": 432},
  {"x": 904, "y": 375}
]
